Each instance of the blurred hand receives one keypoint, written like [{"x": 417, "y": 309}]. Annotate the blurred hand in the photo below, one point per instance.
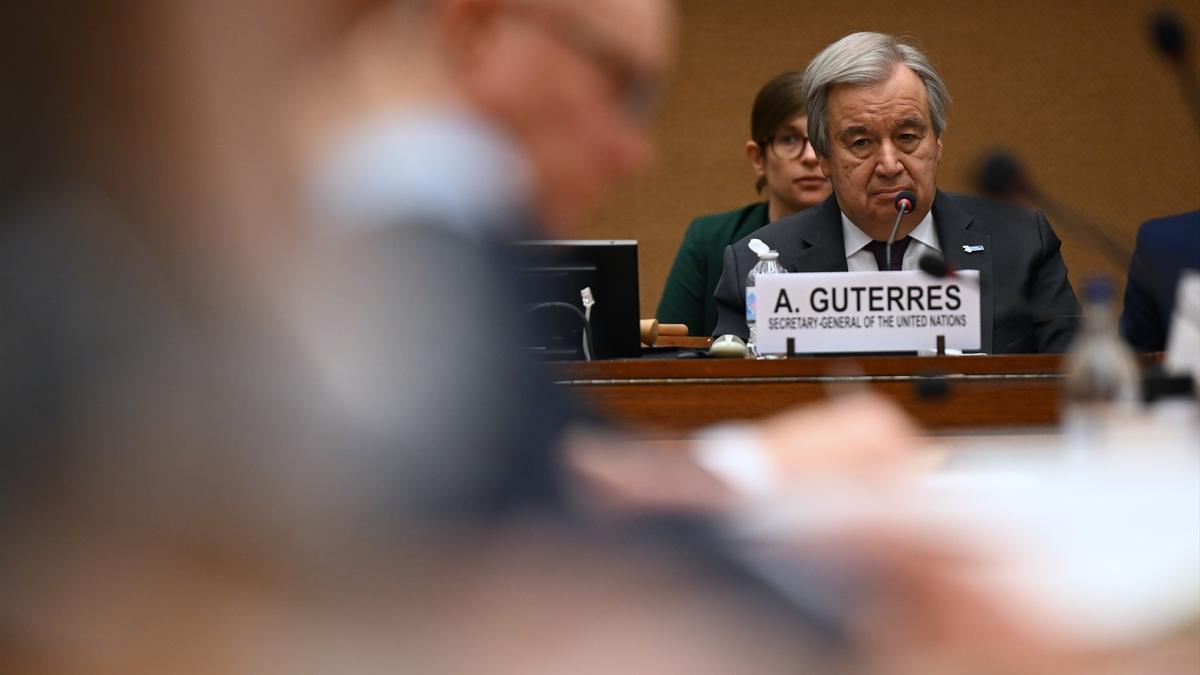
[
  {"x": 623, "y": 475},
  {"x": 860, "y": 436}
]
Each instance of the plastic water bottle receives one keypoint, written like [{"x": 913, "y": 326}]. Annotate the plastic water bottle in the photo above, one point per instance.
[
  {"x": 1103, "y": 383},
  {"x": 768, "y": 263}
]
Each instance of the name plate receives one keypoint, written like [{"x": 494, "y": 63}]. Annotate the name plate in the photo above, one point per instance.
[{"x": 831, "y": 312}]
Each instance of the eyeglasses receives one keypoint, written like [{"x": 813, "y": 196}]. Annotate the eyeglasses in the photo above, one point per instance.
[
  {"x": 638, "y": 93},
  {"x": 786, "y": 146}
]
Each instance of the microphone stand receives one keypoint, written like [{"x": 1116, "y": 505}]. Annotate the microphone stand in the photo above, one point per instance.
[
  {"x": 1003, "y": 177},
  {"x": 905, "y": 203},
  {"x": 1080, "y": 225}
]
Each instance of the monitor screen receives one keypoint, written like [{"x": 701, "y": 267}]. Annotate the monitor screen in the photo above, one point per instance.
[{"x": 557, "y": 271}]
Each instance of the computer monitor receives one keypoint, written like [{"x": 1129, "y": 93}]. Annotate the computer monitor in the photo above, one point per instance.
[{"x": 555, "y": 271}]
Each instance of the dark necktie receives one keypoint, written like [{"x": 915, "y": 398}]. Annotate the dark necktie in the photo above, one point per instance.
[{"x": 879, "y": 249}]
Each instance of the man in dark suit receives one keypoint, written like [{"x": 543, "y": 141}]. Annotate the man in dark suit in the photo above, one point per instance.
[
  {"x": 1019, "y": 261},
  {"x": 876, "y": 114},
  {"x": 1165, "y": 247}
]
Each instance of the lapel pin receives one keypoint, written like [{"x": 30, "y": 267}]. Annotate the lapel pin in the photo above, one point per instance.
[{"x": 972, "y": 248}]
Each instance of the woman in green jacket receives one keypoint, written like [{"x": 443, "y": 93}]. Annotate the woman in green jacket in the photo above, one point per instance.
[{"x": 787, "y": 168}]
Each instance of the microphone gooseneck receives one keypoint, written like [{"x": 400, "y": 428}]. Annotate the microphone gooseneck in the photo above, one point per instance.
[
  {"x": 906, "y": 201},
  {"x": 1002, "y": 176}
]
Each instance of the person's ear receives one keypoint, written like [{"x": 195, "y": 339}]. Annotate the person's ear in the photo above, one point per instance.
[
  {"x": 466, "y": 29},
  {"x": 824, "y": 162},
  {"x": 939, "y": 150},
  {"x": 755, "y": 154}
]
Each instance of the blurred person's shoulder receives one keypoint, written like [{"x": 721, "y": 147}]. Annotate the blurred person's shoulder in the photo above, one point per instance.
[
  {"x": 68, "y": 219},
  {"x": 74, "y": 266},
  {"x": 1172, "y": 232}
]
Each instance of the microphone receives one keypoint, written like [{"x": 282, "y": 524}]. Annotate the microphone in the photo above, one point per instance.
[
  {"x": 1168, "y": 35},
  {"x": 906, "y": 201},
  {"x": 936, "y": 266},
  {"x": 1170, "y": 39},
  {"x": 1002, "y": 176}
]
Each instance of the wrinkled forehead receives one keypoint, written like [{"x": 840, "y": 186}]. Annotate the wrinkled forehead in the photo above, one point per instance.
[{"x": 643, "y": 30}]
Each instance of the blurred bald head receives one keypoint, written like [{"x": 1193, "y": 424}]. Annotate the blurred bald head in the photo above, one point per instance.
[{"x": 574, "y": 82}]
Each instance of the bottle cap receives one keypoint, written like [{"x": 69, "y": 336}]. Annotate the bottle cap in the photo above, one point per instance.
[{"x": 1098, "y": 288}]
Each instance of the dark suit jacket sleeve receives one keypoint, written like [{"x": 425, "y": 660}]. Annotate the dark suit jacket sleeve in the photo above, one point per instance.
[
  {"x": 731, "y": 298},
  {"x": 1050, "y": 291},
  {"x": 1142, "y": 322},
  {"x": 685, "y": 293}
]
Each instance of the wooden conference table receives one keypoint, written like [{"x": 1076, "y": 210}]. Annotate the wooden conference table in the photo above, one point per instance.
[{"x": 944, "y": 394}]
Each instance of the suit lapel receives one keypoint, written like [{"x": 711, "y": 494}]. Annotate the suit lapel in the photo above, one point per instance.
[
  {"x": 966, "y": 248},
  {"x": 818, "y": 245}
]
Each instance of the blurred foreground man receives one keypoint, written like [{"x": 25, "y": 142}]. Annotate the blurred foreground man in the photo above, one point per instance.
[
  {"x": 193, "y": 485},
  {"x": 876, "y": 113},
  {"x": 422, "y": 175}
]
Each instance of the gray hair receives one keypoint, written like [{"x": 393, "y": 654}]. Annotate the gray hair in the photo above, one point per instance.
[{"x": 866, "y": 59}]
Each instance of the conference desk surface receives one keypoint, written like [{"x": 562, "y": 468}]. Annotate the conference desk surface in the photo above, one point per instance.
[{"x": 944, "y": 394}]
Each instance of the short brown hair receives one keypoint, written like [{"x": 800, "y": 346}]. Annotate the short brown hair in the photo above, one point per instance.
[{"x": 778, "y": 101}]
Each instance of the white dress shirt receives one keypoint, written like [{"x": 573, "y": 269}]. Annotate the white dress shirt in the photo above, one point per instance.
[
  {"x": 859, "y": 259},
  {"x": 412, "y": 168}
]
